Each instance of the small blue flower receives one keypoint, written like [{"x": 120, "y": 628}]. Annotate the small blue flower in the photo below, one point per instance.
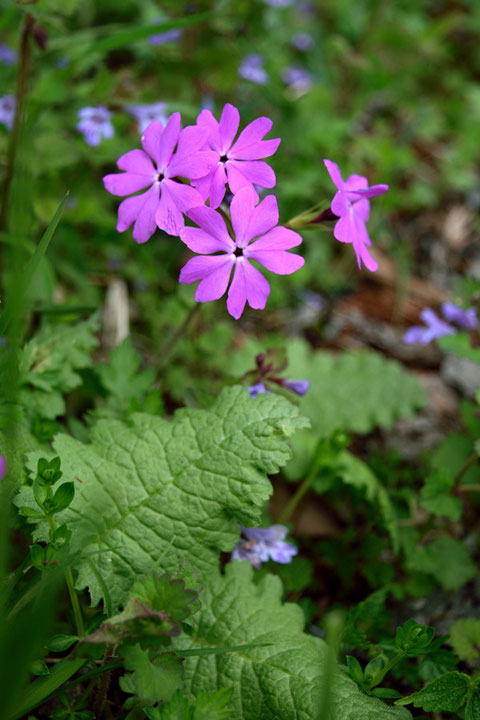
[
  {"x": 465, "y": 319},
  {"x": 300, "y": 387},
  {"x": 255, "y": 390},
  {"x": 7, "y": 55},
  {"x": 297, "y": 78},
  {"x": 169, "y": 36},
  {"x": 251, "y": 68},
  {"x": 434, "y": 328},
  {"x": 262, "y": 544},
  {"x": 7, "y": 110},
  {"x": 302, "y": 41},
  {"x": 145, "y": 114},
  {"x": 95, "y": 124}
]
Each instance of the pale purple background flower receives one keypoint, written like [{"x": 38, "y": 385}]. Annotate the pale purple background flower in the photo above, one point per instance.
[
  {"x": 278, "y": 3},
  {"x": 300, "y": 387},
  {"x": 351, "y": 204},
  {"x": 297, "y": 78},
  {"x": 257, "y": 389},
  {"x": 169, "y": 36},
  {"x": 147, "y": 113},
  {"x": 95, "y": 124},
  {"x": 240, "y": 161},
  {"x": 434, "y": 328},
  {"x": 214, "y": 270},
  {"x": 157, "y": 167},
  {"x": 465, "y": 319},
  {"x": 251, "y": 68},
  {"x": 7, "y": 55},
  {"x": 262, "y": 544},
  {"x": 7, "y": 110},
  {"x": 302, "y": 41},
  {"x": 63, "y": 62},
  {"x": 3, "y": 466}
]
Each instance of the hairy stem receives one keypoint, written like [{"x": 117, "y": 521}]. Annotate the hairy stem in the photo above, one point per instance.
[
  {"x": 104, "y": 682},
  {"x": 380, "y": 675},
  {"x": 24, "y": 61},
  {"x": 178, "y": 334},
  {"x": 77, "y": 611},
  {"x": 469, "y": 462}
]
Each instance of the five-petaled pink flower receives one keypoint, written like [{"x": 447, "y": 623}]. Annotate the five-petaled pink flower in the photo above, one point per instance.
[
  {"x": 240, "y": 162},
  {"x": 249, "y": 221},
  {"x": 351, "y": 205},
  {"x": 157, "y": 167}
]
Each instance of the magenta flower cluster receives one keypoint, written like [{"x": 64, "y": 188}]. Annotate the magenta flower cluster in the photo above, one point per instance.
[{"x": 178, "y": 171}]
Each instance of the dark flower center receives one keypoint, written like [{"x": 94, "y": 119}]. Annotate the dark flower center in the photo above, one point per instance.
[
  {"x": 160, "y": 177},
  {"x": 223, "y": 158},
  {"x": 238, "y": 252}
]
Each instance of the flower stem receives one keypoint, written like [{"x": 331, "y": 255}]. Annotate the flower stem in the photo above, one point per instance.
[
  {"x": 380, "y": 675},
  {"x": 302, "y": 489},
  {"x": 104, "y": 682},
  {"x": 24, "y": 55},
  {"x": 470, "y": 462},
  {"x": 177, "y": 335},
  {"x": 77, "y": 611}
]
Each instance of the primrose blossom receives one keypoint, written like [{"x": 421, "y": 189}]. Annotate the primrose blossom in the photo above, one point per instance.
[
  {"x": 465, "y": 319},
  {"x": 351, "y": 204},
  {"x": 95, "y": 123},
  {"x": 158, "y": 168},
  {"x": 240, "y": 161},
  {"x": 262, "y": 544},
  {"x": 7, "y": 110},
  {"x": 147, "y": 113},
  {"x": 251, "y": 222}
]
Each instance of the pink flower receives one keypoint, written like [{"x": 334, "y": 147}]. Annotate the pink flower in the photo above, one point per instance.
[
  {"x": 157, "y": 167},
  {"x": 240, "y": 162},
  {"x": 3, "y": 466},
  {"x": 214, "y": 270},
  {"x": 351, "y": 205}
]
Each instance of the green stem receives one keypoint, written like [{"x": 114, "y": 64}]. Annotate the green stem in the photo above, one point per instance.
[
  {"x": 24, "y": 58},
  {"x": 380, "y": 675},
  {"x": 178, "y": 334},
  {"x": 470, "y": 461},
  {"x": 77, "y": 611},
  {"x": 302, "y": 489}
]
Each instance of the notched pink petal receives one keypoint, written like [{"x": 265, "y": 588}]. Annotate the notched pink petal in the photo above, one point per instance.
[
  {"x": 201, "y": 242},
  {"x": 168, "y": 140},
  {"x": 335, "y": 174},
  {"x": 151, "y": 139},
  {"x": 168, "y": 216},
  {"x": 258, "y": 288},
  {"x": 200, "y": 267},
  {"x": 279, "y": 238},
  {"x": 122, "y": 184},
  {"x": 184, "y": 196},
  {"x": 214, "y": 285},
  {"x": 241, "y": 210},
  {"x": 212, "y": 223},
  {"x": 136, "y": 162},
  {"x": 228, "y": 126},
  {"x": 256, "y": 172},
  {"x": 217, "y": 186},
  {"x": 278, "y": 261}
]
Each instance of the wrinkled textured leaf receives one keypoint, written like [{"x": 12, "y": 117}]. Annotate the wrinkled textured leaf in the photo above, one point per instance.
[
  {"x": 448, "y": 560},
  {"x": 157, "y": 490},
  {"x": 448, "y": 692},
  {"x": 153, "y": 680},
  {"x": 465, "y": 638},
  {"x": 281, "y": 681},
  {"x": 472, "y": 711}
]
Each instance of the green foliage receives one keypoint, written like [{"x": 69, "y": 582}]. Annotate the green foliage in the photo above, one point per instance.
[
  {"x": 445, "y": 559},
  {"x": 157, "y": 491},
  {"x": 413, "y": 638},
  {"x": 152, "y": 679},
  {"x": 208, "y": 706},
  {"x": 460, "y": 344},
  {"x": 288, "y": 674},
  {"x": 352, "y": 392},
  {"x": 465, "y": 638},
  {"x": 365, "y": 619},
  {"x": 448, "y": 692},
  {"x": 472, "y": 711},
  {"x": 50, "y": 363},
  {"x": 437, "y": 498}
]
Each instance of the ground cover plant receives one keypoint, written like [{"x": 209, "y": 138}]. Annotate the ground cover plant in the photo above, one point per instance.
[{"x": 239, "y": 360}]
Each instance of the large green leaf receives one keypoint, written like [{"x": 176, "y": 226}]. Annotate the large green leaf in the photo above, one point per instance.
[
  {"x": 353, "y": 392},
  {"x": 155, "y": 491},
  {"x": 281, "y": 681}
]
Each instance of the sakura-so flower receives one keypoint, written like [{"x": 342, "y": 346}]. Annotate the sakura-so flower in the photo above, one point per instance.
[
  {"x": 7, "y": 55},
  {"x": 250, "y": 223},
  {"x": 240, "y": 160},
  {"x": 465, "y": 319},
  {"x": 95, "y": 124},
  {"x": 251, "y": 68},
  {"x": 158, "y": 168},
  {"x": 434, "y": 328},
  {"x": 352, "y": 206},
  {"x": 7, "y": 110},
  {"x": 3, "y": 466},
  {"x": 258, "y": 389},
  {"x": 262, "y": 544},
  {"x": 145, "y": 114}
]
